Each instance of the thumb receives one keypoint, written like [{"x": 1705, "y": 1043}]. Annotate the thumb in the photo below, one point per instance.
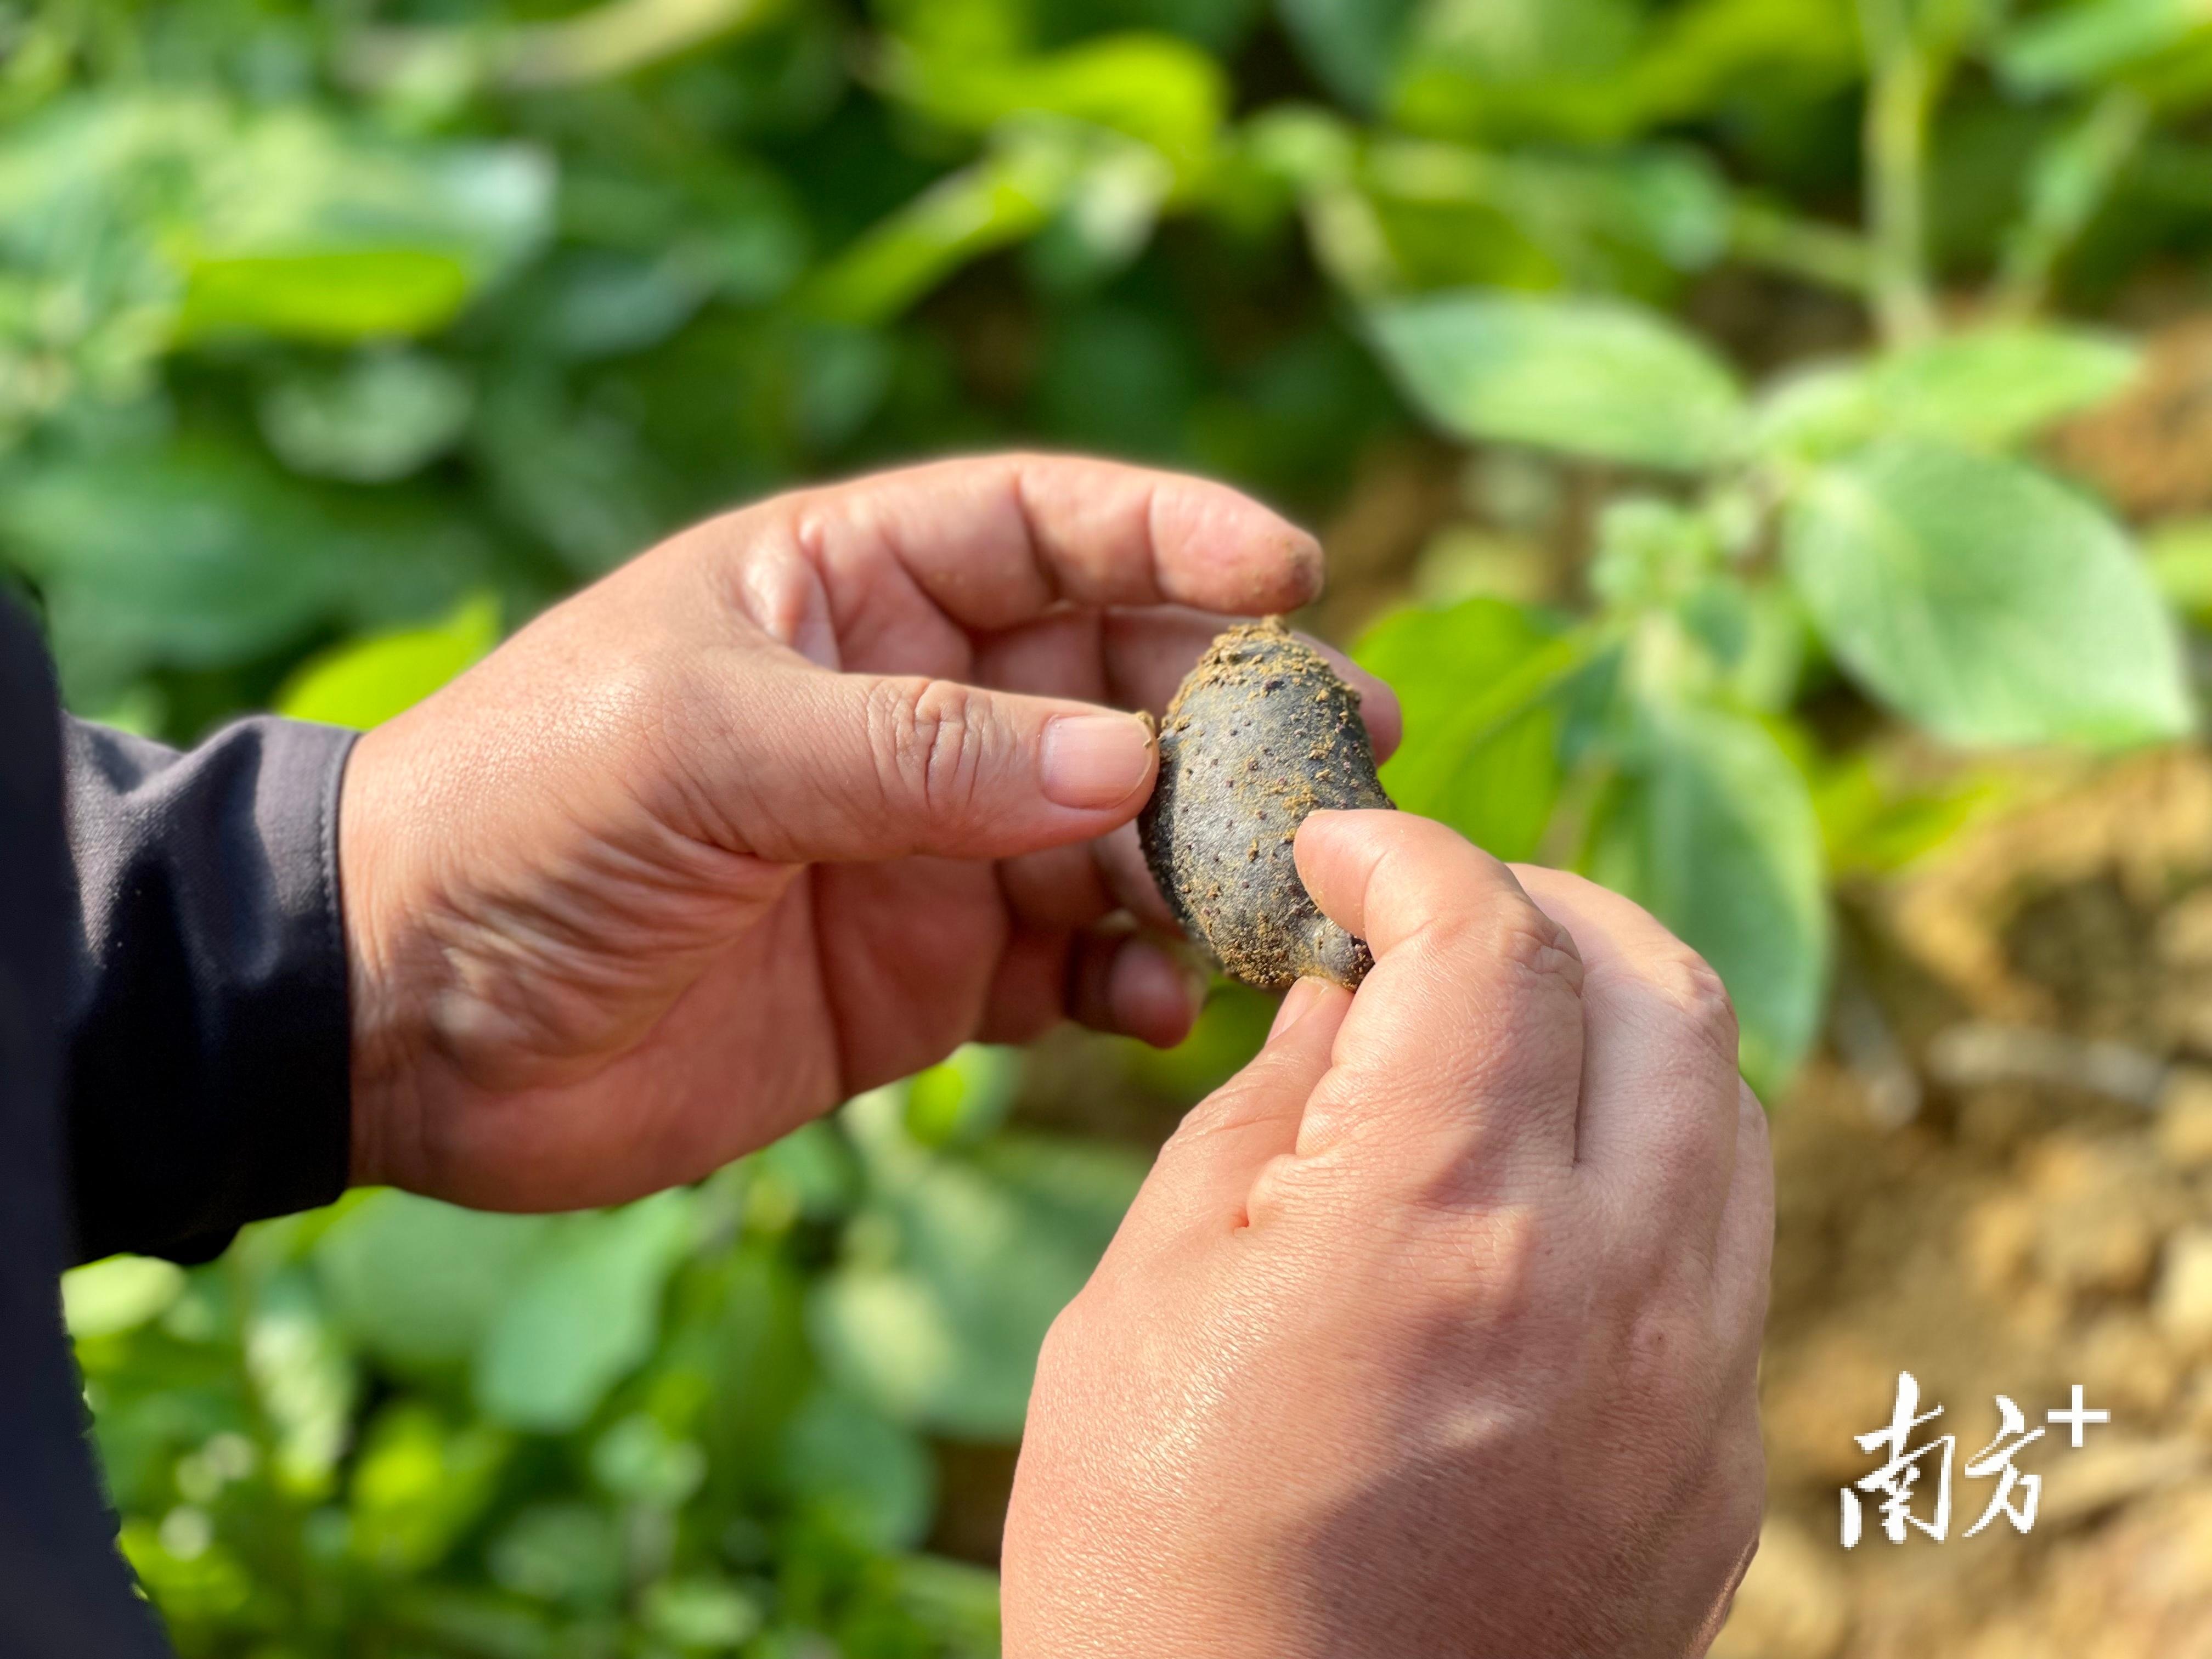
[
  {"x": 863, "y": 767},
  {"x": 1206, "y": 1172}
]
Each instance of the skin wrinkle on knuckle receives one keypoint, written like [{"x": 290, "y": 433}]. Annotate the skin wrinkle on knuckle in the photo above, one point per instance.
[
  {"x": 931, "y": 743},
  {"x": 1686, "y": 984}
]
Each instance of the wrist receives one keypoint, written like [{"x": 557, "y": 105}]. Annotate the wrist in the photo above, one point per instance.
[{"x": 386, "y": 1041}]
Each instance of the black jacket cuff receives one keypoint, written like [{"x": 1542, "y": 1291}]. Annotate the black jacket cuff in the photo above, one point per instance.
[{"x": 208, "y": 1081}]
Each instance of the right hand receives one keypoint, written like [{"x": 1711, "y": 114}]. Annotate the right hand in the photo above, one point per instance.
[{"x": 1436, "y": 1330}]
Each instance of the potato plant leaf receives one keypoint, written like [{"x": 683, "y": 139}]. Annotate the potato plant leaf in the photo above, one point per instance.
[
  {"x": 1492, "y": 773},
  {"x": 1594, "y": 378},
  {"x": 584, "y": 1311},
  {"x": 1983, "y": 600},
  {"x": 1712, "y": 829}
]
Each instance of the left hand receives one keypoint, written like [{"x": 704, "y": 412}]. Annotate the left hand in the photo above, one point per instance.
[{"x": 790, "y": 806}]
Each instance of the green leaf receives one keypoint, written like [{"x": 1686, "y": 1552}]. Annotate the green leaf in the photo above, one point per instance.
[
  {"x": 416, "y": 1282},
  {"x": 561, "y": 1552},
  {"x": 117, "y": 1294},
  {"x": 418, "y": 1484},
  {"x": 332, "y": 297},
  {"x": 314, "y": 232},
  {"x": 2070, "y": 44},
  {"x": 201, "y": 554},
  {"x": 368, "y": 681},
  {"x": 1156, "y": 89},
  {"x": 842, "y": 1459},
  {"x": 1713, "y": 831},
  {"x": 958, "y": 1265},
  {"x": 1523, "y": 67},
  {"x": 701, "y": 1616},
  {"x": 1593, "y": 378},
  {"x": 380, "y": 416},
  {"x": 964, "y": 1099},
  {"x": 1996, "y": 387},
  {"x": 1984, "y": 601},
  {"x": 304, "y": 1379},
  {"x": 1351, "y": 45},
  {"x": 2180, "y": 555},
  {"x": 1490, "y": 773},
  {"x": 582, "y": 1316}
]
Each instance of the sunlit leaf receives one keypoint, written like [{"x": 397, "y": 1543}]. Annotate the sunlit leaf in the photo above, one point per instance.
[
  {"x": 366, "y": 682},
  {"x": 1588, "y": 377},
  {"x": 304, "y": 1379},
  {"x": 2179, "y": 557},
  {"x": 583, "y": 1314},
  {"x": 380, "y": 416},
  {"x": 1491, "y": 772},
  {"x": 2066, "y": 46},
  {"x": 1996, "y": 387},
  {"x": 1159, "y": 90},
  {"x": 1984, "y": 601},
  {"x": 104, "y": 1299},
  {"x": 978, "y": 1251},
  {"x": 965, "y": 1098},
  {"x": 417, "y": 1283},
  {"x": 1712, "y": 828},
  {"x": 417, "y": 1484}
]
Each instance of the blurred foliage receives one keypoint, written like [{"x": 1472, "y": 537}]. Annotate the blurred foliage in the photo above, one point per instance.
[{"x": 335, "y": 338}]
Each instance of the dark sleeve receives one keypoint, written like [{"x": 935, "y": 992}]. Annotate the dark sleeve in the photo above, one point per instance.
[
  {"x": 206, "y": 1076},
  {"x": 64, "y": 1591}
]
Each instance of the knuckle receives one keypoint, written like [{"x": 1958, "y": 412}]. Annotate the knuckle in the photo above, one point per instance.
[
  {"x": 929, "y": 738},
  {"x": 1696, "y": 998},
  {"x": 1526, "y": 948}
]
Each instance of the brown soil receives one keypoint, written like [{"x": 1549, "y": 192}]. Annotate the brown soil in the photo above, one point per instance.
[
  {"x": 2044, "y": 1220},
  {"x": 2145, "y": 452}
]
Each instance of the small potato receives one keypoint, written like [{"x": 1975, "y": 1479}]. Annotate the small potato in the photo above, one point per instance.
[{"x": 1261, "y": 733}]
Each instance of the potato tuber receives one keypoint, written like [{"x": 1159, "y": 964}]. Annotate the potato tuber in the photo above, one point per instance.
[{"x": 1261, "y": 733}]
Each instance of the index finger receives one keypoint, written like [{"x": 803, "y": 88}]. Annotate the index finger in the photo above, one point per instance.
[
  {"x": 1661, "y": 1091},
  {"x": 1466, "y": 1036},
  {"x": 997, "y": 540}
]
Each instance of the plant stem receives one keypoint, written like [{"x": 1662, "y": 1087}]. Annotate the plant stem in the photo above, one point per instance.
[
  {"x": 2070, "y": 182},
  {"x": 1898, "y": 97},
  {"x": 1762, "y": 234}
]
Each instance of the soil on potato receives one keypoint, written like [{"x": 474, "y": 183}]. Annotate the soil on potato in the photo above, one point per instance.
[{"x": 1261, "y": 734}]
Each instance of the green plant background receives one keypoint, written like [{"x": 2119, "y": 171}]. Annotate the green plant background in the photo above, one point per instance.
[{"x": 336, "y": 340}]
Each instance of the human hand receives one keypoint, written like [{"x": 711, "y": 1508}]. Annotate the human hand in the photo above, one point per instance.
[
  {"x": 790, "y": 806},
  {"x": 1435, "y": 1331}
]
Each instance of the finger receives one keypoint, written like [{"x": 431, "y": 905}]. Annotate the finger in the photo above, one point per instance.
[
  {"x": 1206, "y": 1170},
  {"x": 1058, "y": 890},
  {"x": 1130, "y": 984},
  {"x": 823, "y": 766},
  {"x": 1659, "y": 1109},
  {"x": 1744, "y": 1255},
  {"x": 1465, "y": 1044},
  {"x": 997, "y": 540},
  {"x": 1028, "y": 996}
]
